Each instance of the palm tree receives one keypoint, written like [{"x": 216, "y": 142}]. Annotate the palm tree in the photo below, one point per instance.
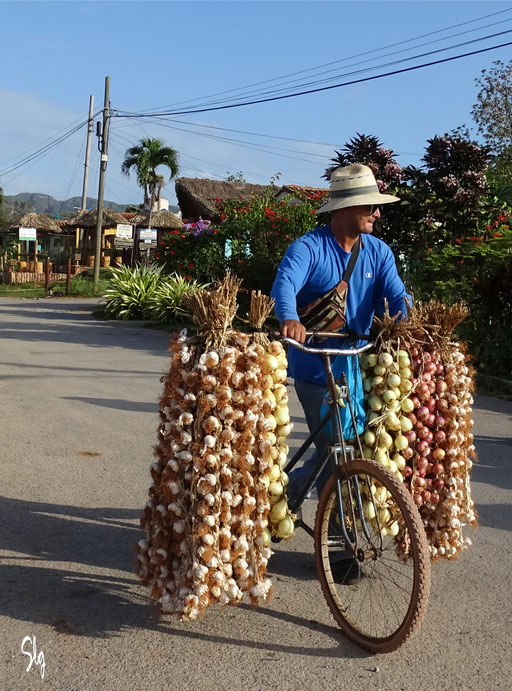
[{"x": 146, "y": 157}]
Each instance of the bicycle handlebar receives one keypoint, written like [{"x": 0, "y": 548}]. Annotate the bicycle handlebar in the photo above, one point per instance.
[{"x": 328, "y": 351}]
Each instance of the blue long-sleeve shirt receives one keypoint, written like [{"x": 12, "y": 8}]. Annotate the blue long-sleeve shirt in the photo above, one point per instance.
[{"x": 313, "y": 265}]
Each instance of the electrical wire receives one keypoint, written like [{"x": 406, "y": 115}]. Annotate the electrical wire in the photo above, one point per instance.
[
  {"x": 319, "y": 89},
  {"x": 333, "y": 62},
  {"x": 43, "y": 151}
]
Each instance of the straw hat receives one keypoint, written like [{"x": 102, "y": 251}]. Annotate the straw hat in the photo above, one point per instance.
[{"x": 354, "y": 185}]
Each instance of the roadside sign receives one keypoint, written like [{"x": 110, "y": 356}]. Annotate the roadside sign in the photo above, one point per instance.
[
  {"x": 121, "y": 243},
  {"x": 145, "y": 234},
  {"x": 27, "y": 234},
  {"x": 124, "y": 230}
]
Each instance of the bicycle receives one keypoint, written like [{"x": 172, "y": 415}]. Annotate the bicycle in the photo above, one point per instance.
[{"x": 364, "y": 512}]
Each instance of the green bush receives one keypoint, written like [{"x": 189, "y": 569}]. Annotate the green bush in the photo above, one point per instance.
[
  {"x": 165, "y": 303},
  {"x": 130, "y": 291},
  {"x": 144, "y": 292}
]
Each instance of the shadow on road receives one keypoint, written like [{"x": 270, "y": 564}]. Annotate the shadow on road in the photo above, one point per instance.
[
  {"x": 73, "y": 322},
  {"x": 117, "y": 403},
  {"x": 102, "y": 537}
]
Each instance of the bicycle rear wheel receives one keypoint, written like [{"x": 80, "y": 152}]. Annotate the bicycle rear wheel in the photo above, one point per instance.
[{"x": 380, "y": 600}]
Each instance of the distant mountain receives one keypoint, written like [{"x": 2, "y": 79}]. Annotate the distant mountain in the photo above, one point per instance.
[{"x": 46, "y": 204}]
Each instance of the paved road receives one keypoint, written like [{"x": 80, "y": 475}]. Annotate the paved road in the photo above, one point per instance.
[{"x": 78, "y": 402}]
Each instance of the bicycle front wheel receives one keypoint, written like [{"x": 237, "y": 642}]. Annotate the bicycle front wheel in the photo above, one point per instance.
[{"x": 378, "y": 590}]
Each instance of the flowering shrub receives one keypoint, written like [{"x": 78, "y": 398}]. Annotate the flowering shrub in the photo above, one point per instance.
[
  {"x": 258, "y": 231},
  {"x": 196, "y": 251},
  {"x": 477, "y": 269}
]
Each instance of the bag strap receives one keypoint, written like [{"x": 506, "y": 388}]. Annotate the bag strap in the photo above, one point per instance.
[
  {"x": 352, "y": 261},
  {"x": 343, "y": 284}
]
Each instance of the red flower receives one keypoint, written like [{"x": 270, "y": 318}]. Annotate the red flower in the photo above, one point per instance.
[
  {"x": 162, "y": 242},
  {"x": 429, "y": 249},
  {"x": 222, "y": 217},
  {"x": 190, "y": 266},
  {"x": 497, "y": 235}
]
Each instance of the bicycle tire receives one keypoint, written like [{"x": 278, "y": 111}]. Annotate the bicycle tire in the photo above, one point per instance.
[{"x": 417, "y": 562}]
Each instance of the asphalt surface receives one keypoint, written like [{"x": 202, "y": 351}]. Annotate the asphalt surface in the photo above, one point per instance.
[{"x": 79, "y": 417}]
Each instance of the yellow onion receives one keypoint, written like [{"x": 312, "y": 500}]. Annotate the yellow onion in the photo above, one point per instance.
[{"x": 285, "y": 528}]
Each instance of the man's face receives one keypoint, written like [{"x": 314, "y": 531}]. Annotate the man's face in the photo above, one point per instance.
[{"x": 359, "y": 219}]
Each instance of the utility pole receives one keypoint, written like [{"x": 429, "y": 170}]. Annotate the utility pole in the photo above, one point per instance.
[
  {"x": 101, "y": 186},
  {"x": 87, "y": 152}
]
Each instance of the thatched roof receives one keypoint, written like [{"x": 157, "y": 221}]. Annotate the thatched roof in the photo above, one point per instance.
[
  {"x": 37, "y": 221},
  {"x": 196, "y": 196},
  {"x": 160, "y": 220},
  {"x": 88, "y": 219}
]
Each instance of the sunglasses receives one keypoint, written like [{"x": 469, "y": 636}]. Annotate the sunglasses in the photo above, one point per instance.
[{"x": 370, "y": 209}]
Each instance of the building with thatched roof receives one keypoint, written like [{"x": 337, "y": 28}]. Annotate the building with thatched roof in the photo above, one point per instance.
[
  {"x": 196, "y": 196},
  {"x": 298, "y": 192},
  {"x": 160, "y": 220},
  {"x": 38, "y": 221},
  {"x": 52, "y": 239},
  {"x": 88, "y": 218}
]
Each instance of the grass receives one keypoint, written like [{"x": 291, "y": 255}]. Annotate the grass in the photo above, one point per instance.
[
  {"x": 81, "y": 286},
  {"x": 21, "y": 290}
]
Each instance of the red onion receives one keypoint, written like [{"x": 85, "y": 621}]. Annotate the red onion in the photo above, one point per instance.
[
  {"x": 434, "y": 497},
  {"x": 438, "y": 468},
  {"x": 440, "y": 436},
  {"x": 438, "y": 483},
  {"x": 432, "y": 386},
  {"x": 406, "y": 470},
  {"x": 429, "y": 367},
  {"x": 414, "y": 352},
  {"x": 426, "y": 495},
  {"x": 426, "y": 377},
  {"x": 416, "y": 401},
  {"x": 412, "y": 417},
  {"x": 418, "y": 499},
  {"x": 410, "y": 436},
  {"x": 423, "y": 432},
  {"x": 422, "y": 464},
  {"x": 440, "y": 421},
  {"x": 440, "y": 369},
  {"x": 423, "y": 413},
  {"x": 419, "y": 481},
  {"x": 431, "y": 405},
  {"x": 430, "y": 467},
  {"x": 422, "y": 447},
  {"x": 426, "y": 356},
  {"x": 429, "y": 437},
  {"x": 407, "y": 453},
  {"x": 428, "y": 483},
  {"x": 433, "y": 355},
  {"x": 430, "y": 420},
  {"x": 441, "y": 386},
  {"x": 422, "y": 389},
  {"x": 421, "y": 473}
]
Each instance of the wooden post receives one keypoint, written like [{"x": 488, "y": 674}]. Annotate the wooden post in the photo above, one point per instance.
[
  {"x": 68, "y": 277},
  {"x": 47, "y": 274}
]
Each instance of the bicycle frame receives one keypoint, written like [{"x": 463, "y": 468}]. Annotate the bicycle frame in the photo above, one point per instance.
[{"x": 337, "y": 449}]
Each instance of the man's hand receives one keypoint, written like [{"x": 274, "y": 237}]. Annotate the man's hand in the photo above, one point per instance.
[{"x": 291, "y": 328}]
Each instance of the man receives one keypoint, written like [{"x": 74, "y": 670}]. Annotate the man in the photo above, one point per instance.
[{"x": 311, "y": 267}]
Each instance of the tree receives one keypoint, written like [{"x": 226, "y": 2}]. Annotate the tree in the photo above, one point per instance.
[
  {"x": 145, "y": 157},
  {"x": 235, "y": 177},
  {"x": 493, "y": 110},
  {"x": 369, "y": 151}
]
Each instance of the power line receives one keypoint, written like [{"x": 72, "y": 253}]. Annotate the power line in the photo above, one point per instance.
[
  {"x": 281, "y": 89},
  {"x": 45, "y": 149},
  {"x": 376, "y": 50},
  {"x": 318, "y": 89}
]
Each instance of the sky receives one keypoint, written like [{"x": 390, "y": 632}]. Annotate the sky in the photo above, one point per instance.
[{"x": 160, "y": 54}]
